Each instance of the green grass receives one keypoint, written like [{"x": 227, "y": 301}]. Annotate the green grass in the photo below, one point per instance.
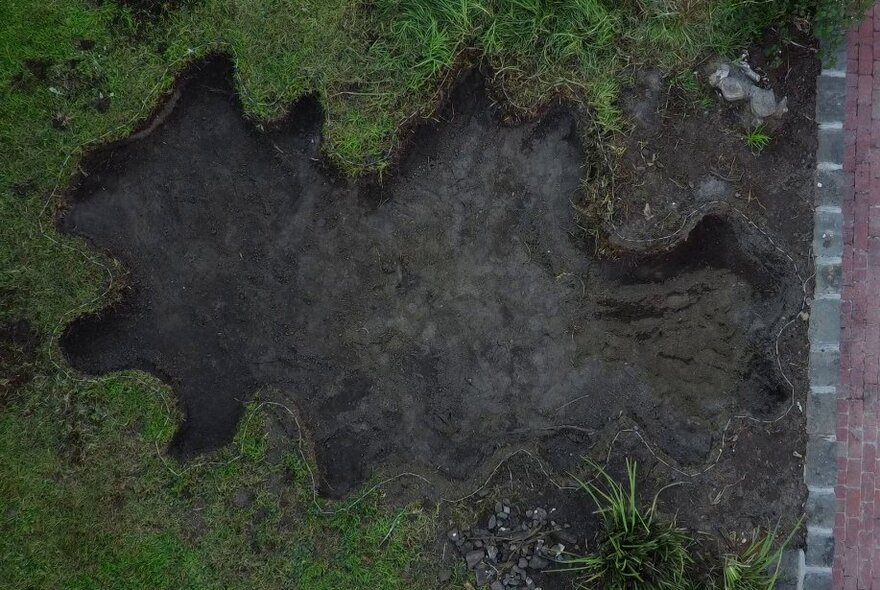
[
  {"x": 639, "y": 551},
  {"x": 757, "y": 138},
  {"x": 695, "y": 93},
  {"x": 757, "y": 566},
  {"x": 87, "y": 498},
  {"x": 114, "y": 514}
]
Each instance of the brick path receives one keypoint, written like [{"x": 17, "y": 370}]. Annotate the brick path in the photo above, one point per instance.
[{"x": 856, "y": 528}]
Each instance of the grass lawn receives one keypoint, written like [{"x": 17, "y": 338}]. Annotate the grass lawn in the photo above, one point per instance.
[{"x": 87, "y": 497}]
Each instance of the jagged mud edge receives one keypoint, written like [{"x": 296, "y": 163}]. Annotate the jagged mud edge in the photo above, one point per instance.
[{"x": 168, "y": 103}]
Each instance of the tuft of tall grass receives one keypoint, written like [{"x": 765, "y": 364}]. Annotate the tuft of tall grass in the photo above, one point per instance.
[
  {"x": 639, "y": 551},
  {"x": 757, "y": 138},
  {"x": 757, "y": 567}
]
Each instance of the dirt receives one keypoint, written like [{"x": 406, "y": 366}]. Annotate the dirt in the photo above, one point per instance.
[
  {"x": 18, "y": 353},
  {"x": 438, "y": 320},
  {"x": 682, "y": 157}
]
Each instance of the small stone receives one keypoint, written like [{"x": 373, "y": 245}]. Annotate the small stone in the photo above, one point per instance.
[
  {"x": 453, "y": 535},
  {"x": 491, "y": 552},
  {"x": 746, "y": 69},
  {"x": 492, "y": 522},
  {"x": 734, "y": 89},
  {"x": 564, "y": 537},
  {"x": 498, "y": 507},
  {"x": 538, "y": 563},
  {"x": 496, "y": 585},
  {"x": 523, "y": 562},
  {"x": 763, "y": 103},
  {"x": 529, "y": 513},
  {"x": 474, "y": 557},
  {"x": 720, "y": 73},
  {"x": 506, "y": 510},
  {"x": 484, "y": 574}
]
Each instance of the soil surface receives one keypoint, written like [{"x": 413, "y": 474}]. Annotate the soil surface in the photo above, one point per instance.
[
  {"x": 455, "y": 312},
  {"x": 685, "y": 157}
]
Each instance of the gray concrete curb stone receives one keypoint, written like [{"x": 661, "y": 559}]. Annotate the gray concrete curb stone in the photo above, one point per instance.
[{"x": 820, "y": 463}]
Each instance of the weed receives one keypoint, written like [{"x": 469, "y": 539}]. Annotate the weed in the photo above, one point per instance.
[
  {"x": 705, "y": 103},
  {"x": 757, "y": 567},
  {"x": 688, "y": 83},
  {"x": 695, "y": 93},
  {"x": 830, "y": 19},
  {"x": 639, "y": 551},
  {"x": 757, "y": 138}
]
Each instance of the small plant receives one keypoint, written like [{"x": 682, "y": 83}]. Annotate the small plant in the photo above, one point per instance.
[
  {"x": 757, "y": 139},
  {"x": 757, "y": 567},
  {"x": 689, "y": 84},
  {"x": 639, "y": 551}
]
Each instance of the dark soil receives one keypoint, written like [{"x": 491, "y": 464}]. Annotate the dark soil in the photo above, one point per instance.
[
  {"x": 683, "y": 158},
  {"x": 439, "y": 320},
  {"x": 18, "y": 351}
]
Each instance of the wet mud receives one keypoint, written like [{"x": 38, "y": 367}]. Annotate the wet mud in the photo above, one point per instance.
[{"x": 428, "y": 321}]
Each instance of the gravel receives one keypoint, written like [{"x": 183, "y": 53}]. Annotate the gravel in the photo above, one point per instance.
[{"x": 514, "y": 546}]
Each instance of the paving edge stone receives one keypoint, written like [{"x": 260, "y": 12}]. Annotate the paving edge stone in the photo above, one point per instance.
[{"x": 820, "y": 463}]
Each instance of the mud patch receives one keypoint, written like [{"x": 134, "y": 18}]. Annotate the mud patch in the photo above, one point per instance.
[{"x": 426, "y": 323}]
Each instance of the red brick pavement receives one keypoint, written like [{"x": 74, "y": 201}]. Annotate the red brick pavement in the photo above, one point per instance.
[{"x": 856, "y": 525}]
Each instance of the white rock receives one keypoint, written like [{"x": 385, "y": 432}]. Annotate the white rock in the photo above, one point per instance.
[
  {"x": 719, "y": 74},
  {"x": 733, "y": 89}
]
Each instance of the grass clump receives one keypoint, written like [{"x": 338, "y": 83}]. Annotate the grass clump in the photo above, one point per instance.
[
  {"x": 757, "y": 567},
  {"x": 640, "y": 551},
  {"x": 757, "y": 138}
]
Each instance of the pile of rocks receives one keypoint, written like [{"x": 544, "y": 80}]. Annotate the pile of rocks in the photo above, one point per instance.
[
  {"x": 513, "y": 546},
  {"x": 737, "y": 81}
]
